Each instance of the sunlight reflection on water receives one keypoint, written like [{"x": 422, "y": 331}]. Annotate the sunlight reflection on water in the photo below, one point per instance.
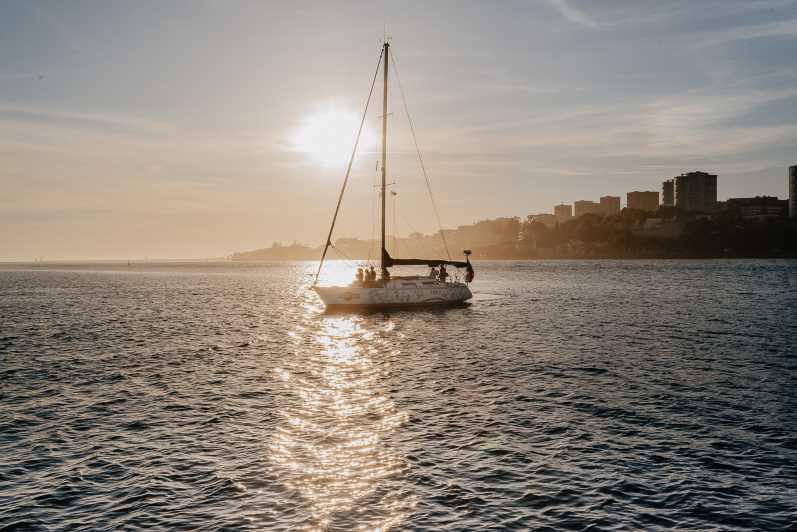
[{"x": 330, "y": 439}]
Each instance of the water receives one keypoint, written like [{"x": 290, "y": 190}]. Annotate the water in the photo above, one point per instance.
[{"x": 568, "y": 396}]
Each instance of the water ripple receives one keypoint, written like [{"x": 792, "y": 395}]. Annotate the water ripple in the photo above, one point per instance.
[{"x": 594, "y": 395}]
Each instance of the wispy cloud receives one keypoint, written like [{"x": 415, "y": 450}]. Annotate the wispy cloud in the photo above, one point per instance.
[
  {"x": 20, "y": 75},
  {"x": 572, "y": 14},
  {"x": 77, "y": 119},
  {"x": 781, "y": 28}
]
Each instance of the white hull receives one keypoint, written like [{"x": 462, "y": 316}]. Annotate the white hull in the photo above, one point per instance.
[{"x": 398, "y": 292}]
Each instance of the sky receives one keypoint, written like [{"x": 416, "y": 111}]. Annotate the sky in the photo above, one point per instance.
[{"x": 194, "y": 129}]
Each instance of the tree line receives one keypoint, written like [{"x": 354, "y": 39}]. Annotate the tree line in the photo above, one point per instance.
[{"x": 666, "y": 233}]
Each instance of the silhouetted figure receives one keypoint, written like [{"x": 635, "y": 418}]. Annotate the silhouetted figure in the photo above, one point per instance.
[
  {"x": 443, "y": 273},
  {"x": 433, "y": 273},
  {"x": 470, "y": 274},
  {"x": 360, "y": 276},
  {"x": 372, "y": 274}
]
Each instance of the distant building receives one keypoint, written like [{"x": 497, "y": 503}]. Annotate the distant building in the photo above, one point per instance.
[
  {"x": 549, "y": 220},
  {"x": 761, "y": 207},
  {"x": 668, "y": 193},
  {"x": 610, "y": 205},
  {"x": 563, "y": 212},
  {"x": 644, "y": 201},
  {"x": 696, "y": 191},
  {"x": 583, "y": 207},
  {"x": 793, "y": 191}
]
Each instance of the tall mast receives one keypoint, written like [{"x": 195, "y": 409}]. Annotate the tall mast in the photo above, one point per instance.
[{"x": 384, "y": 154}]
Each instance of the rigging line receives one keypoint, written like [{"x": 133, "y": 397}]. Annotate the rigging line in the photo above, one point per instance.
[
  {"x": 408, "y": 223},
  {"x": 420, "y": 157},
  {"x": 412, "y": 229},
  {"x": 373, "y": 245},
  {"x": 348, "y": 170},
  {"x": 346, "y": 257},
  {"x": 394, "y": 195},
  {"x": 373, "y": 218}
]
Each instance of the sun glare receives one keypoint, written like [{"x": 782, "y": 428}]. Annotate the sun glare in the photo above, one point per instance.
[{"x": 328, "y": 136}]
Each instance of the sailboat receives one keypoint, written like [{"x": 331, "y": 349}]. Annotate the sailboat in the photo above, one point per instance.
[{"x": 388, "y": 291}]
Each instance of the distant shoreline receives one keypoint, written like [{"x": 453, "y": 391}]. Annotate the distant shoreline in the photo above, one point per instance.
[
  {"x": 177, "y": 262},
  {"x": 632, "y": 235},
  {"x": 536, "y": 259}
]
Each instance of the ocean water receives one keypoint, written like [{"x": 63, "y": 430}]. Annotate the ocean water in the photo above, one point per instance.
[{"x": 572, "y": 395}]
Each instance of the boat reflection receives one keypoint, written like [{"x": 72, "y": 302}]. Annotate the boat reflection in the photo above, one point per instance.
[{"x": 330, "y": 442}]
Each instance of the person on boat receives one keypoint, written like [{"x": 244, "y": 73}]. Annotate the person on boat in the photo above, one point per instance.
[
  {"x": 360, "y": 276},
  {"x": 372, "y": 274},
  {"x": 443, "y": 273},
  {"x": 470, "y": 274},
  {"x": 433, "y": 273}
]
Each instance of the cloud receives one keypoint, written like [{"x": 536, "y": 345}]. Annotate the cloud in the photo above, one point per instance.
[
  {"x": 28, "y": 113},
  {"x": 20, "y": 75},
  {"x": 781, "y": 28},
  {"x": 572, "y": 14}
]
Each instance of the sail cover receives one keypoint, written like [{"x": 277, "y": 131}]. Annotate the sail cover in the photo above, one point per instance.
[{"x": 389, "y": 261}]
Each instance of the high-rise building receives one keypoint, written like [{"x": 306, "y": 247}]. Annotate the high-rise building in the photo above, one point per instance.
[
  {"x": 583, "y": 207},
  {"x": 563, "y": 212},
  {"x": 793, "y": 191},
  {"x": 668, "y": 193},
  {"x": 644, "y": 201},
  {"x": 696, "y": 191},
  {"x": 610, "y": 205}
]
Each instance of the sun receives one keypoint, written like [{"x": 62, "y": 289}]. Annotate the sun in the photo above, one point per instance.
[{"x": 327, "y": 136}]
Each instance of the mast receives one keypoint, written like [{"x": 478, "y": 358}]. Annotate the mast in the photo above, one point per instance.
[{"x": 384, "y": 156}]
